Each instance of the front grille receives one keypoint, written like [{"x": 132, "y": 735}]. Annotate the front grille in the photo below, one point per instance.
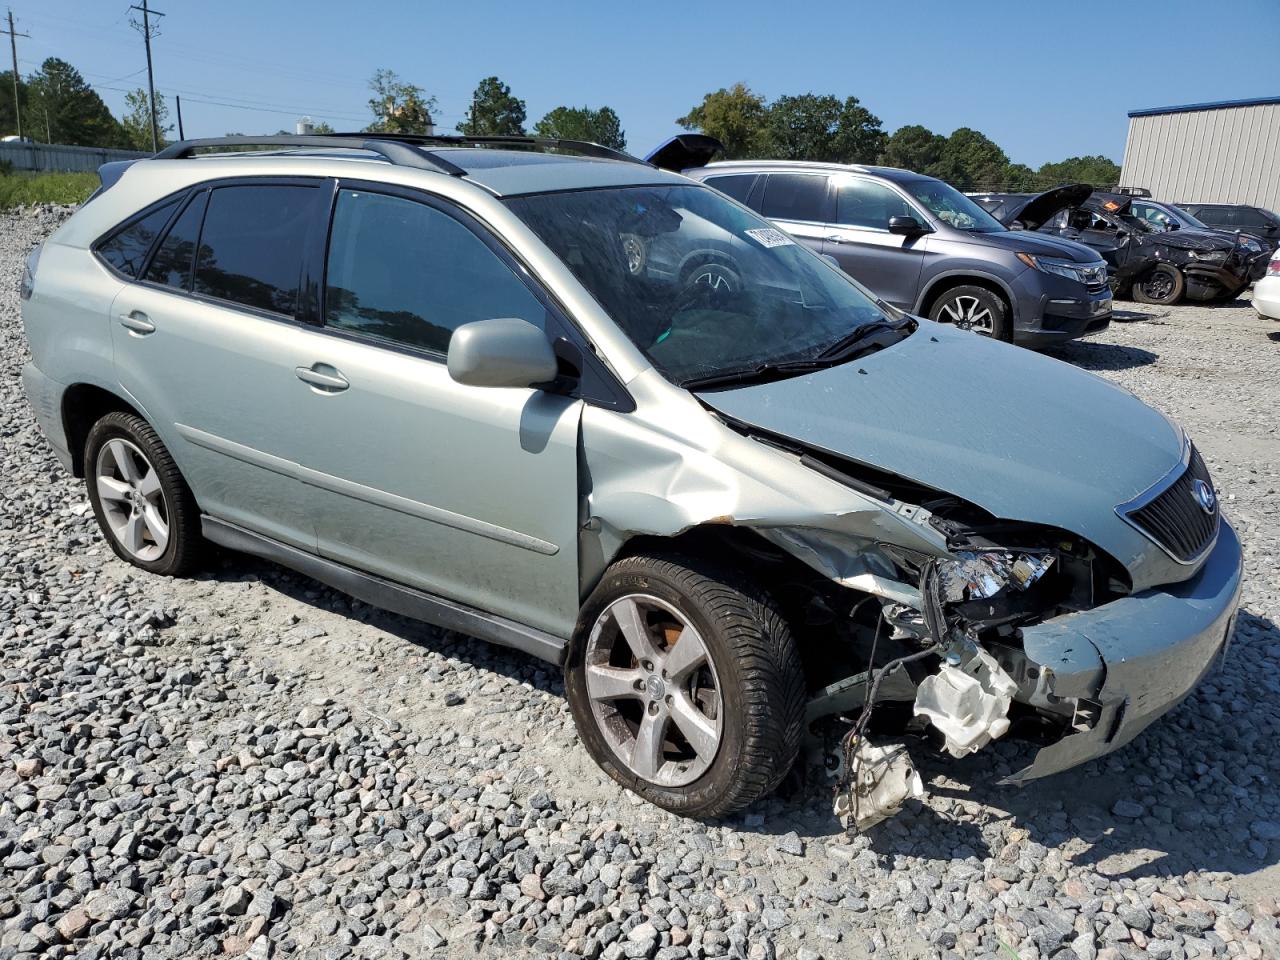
[{"x": 1175, "y": 517}]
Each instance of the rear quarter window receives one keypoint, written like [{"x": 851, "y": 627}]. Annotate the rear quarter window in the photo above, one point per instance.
[
  {"x": 737, "y": 186},
  {"x": 126, "y": 250}
]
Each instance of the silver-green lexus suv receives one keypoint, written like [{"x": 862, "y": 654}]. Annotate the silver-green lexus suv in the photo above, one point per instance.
[{"x": 495, "y": 385}]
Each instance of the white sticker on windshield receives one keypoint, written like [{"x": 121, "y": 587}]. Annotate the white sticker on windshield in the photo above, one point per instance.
[{"x": 769, "y": 237}]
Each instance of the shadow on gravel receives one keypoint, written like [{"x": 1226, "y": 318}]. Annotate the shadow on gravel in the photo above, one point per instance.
[
  {"x": 1102, "y": 356},
  {"x": 1274, "y": 335}
]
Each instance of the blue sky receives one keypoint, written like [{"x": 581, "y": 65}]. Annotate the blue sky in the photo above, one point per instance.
[{"x": 1044, "y": 80}]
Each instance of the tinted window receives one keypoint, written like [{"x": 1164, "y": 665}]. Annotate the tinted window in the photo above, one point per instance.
[
  {"x": 410, "y": 274},
  {"x": 252, "y": 243},
  {"x": 127, "y": 250},
  {"x": 1249, "y": 217},
  {"x": 171, "y": 266},
  {"x": 864, "y": 203},
  {"x": 795, "y": 196},
  {"x": 738, "y": 187}
]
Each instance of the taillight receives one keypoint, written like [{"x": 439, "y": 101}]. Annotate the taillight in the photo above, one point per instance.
[
  {"x": 1273, "y": 268},
  {"x": 29, "y": 272}
]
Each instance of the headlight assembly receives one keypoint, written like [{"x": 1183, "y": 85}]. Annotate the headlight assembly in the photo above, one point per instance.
[
  {"x": 1210, "y": 256},
  {"x": 1063, "y": 268},
  {"x": 977, "y": 575}
]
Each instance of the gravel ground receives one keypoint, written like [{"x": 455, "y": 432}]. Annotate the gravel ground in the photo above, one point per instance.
[{"x": 251, "y": 764}]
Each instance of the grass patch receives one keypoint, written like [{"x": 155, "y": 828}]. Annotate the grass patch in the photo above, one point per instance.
[{"x": 20, "y": 189}]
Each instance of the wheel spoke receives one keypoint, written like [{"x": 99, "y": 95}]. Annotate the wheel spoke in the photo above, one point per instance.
[
  {"x": 685, "y": 655},
  {"x": 156, "y": 526},
  {"x": 634, "y": 630},
  {"x": 696, "y": 727},
  {"x": 112, "y": 489},
  {"x": 646, "y": 754},
  {"x": 124, "y": 461},
  {"x": 132, "y": 537},
  {"x": 612, "y": 683},
  {"x": 149, "y": 485}
]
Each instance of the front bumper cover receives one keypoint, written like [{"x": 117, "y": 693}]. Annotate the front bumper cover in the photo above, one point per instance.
[{"x": 1138, "y": 656}]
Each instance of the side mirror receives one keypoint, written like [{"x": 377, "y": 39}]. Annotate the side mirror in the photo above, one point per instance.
[
  {"x": 501, "y": 353},
  {"x": 905, "y": 226}
]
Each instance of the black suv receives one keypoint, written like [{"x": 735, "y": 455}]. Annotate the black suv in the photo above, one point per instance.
[{"x": 1258, "y": 221}]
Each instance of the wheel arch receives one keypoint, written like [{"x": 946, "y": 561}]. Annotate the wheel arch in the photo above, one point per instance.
[
  {"x": 83, "y": 405},
  {"x": 966, "y": 278}
]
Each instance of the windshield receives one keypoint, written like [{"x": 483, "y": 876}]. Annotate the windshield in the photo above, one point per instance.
[
  {"x": 951, "y": 206},
  {"x": 700, "y": 284}
]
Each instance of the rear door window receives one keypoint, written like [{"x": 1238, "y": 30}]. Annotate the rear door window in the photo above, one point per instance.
[
  {"x": 796, "y": 196},
  {"x": 252, "y": 244},
  {"x": 127, "y": 249},
  {"x": 410, "y": 274},
  {"x": 738, "y": 186},
  {"x": 171, "y": 265}
]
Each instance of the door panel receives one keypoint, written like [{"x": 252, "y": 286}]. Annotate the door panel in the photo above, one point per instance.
[
  {"x": 860, "y": 241},
  {"x": 470, "y": 493},
  {"x": 799, "y": 203}
]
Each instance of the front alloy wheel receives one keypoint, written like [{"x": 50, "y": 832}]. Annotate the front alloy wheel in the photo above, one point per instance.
[
  {"x": 972, "y": 308},
  {"x": 685, "y": 684}
]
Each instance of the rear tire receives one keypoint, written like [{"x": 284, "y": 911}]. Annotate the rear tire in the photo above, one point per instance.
[
  {"x": 667, "y": 644},
  {"x": 973, "y": 308},
  {"x": 1162, "y": 284},
  {"x": 145, "y": 509}
]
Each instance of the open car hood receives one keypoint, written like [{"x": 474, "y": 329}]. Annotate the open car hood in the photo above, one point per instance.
[
  {"x": 1021, "y": 435},
  {"x": 685, "y": 152},
  {"x": 1039, "y": 209}
]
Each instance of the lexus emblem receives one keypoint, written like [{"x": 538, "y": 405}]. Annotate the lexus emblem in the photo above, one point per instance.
[{"x": 1205, "y": 496}]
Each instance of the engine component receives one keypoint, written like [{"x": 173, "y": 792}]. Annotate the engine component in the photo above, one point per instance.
[
  {"x": 969, "y": 704},
  {"x": 880, "y": 780}
]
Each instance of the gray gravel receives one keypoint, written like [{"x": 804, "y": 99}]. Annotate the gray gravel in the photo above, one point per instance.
[{"x": 249, "y": 764}]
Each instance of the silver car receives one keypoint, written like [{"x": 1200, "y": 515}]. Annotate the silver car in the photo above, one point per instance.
[{"x": 489, "y": 385}]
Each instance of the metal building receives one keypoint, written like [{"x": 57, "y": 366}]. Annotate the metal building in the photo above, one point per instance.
[{"x": 1224, "y": 152}]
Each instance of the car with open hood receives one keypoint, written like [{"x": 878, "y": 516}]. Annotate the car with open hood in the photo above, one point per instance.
[
  {"x": 1146, "y": 260},
  {"x": 482, "y": 382}
]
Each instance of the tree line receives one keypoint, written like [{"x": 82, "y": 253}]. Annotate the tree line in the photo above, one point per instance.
[
  {"x": 59, "y": 106},
  {"x": 822, "y": 127}
]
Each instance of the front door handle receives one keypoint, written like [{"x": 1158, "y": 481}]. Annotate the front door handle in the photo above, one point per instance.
[
  {"x": 137, "y": 323},
  {"x": 323, "y": 377}
]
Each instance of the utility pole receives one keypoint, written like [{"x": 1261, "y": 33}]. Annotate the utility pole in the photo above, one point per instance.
[
  {"x": 178, "y": 101},
  {"x": 147, "y": 14},
  {"x": 13, "y": 49}
]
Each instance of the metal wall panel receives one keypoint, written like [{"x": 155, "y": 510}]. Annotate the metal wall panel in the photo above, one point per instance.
[
  {"x": 1225, "y": 155},
  {"x": 52, "y": 156}
]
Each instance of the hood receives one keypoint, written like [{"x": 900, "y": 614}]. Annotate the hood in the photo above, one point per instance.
[
  {"x": 1021, "y": 435},
  {"x": 1038, "y": 209},
  {"x": 1041, "y": 244},
  {"x": 1191, "y": 238},
  {"x": 685, "y": 151}
]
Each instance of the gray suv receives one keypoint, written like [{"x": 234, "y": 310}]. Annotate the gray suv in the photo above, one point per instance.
[
  {"x": 486, "y": 384},
  {"x": 927, "y": 248}
]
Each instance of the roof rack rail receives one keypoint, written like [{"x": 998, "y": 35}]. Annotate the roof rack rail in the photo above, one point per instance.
[
  {"x": 584, "y": 147},
  {"x": 398, "y": 151}
]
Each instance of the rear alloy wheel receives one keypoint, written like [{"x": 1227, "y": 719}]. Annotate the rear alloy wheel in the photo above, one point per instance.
[
  {"x": 685, "y": 685},
  {"x": 139, "y": 498},
  {"x": 972, "y": 308},
  {"x": 1162, "y": 284}
]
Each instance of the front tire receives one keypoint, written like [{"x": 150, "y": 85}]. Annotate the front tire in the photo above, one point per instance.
[
  {"x": 144, "y": 507},
  {"x": 975, "y": 309},
  {"x": 1162, "y": 284},
  {"x": 685, "y": 685}
]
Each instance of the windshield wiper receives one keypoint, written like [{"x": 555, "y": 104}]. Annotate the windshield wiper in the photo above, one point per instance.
[
  {"x": 867, "y": 337},
  {"x": 761, "y": 371}
]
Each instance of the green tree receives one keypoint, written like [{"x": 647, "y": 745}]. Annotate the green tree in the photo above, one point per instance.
[
  {"x": 582, "y": 123},
  {"x": 63, "y": 108},
  {"x": 971, "y": 161},
  {"x": 813, "y": 127},
  {"x": 8, "y": 122},
  {"x": 494, "y": 112},
  {"x": 913, "y": 147},
  {"x": 1097, "y": 171},
  {"x": 135, "y": 125},
  {"x": 397, "y": 106},
  {"x": 735, "y": 116},
  {"x": 1020, "y": 177}
]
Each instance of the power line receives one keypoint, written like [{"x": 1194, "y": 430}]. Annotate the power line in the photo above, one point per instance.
[
  {"x": 13, "y": 49},
  {"x": 147, "y": 14}
]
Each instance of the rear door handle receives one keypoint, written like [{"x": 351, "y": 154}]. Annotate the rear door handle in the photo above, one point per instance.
[
  {"x": 322, "y": 376},
  {"x": 137, "y": 323}
]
